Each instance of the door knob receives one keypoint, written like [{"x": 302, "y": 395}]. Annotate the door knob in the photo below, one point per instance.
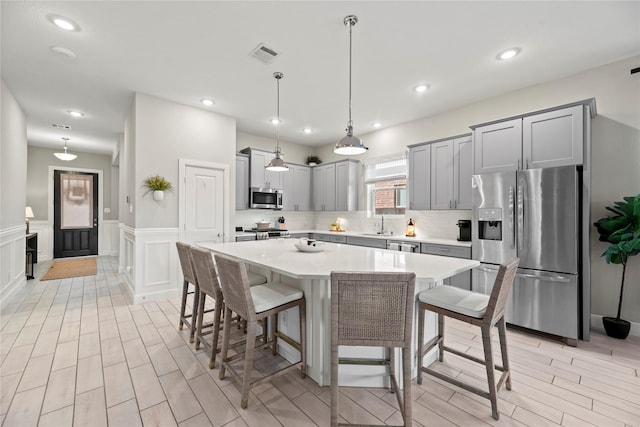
[{"x": 220, "y": 234}]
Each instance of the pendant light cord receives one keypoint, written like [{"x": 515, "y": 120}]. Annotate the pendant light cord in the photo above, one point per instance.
[
  {"x": 350, "y": 123},
  {"x": 278, "y": 115}
]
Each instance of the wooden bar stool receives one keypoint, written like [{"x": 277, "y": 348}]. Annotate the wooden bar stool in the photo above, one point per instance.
[
  {"x": 254, "y": 303},
  {"x": 373, "y": 309},
  {"x": 189, "y": 278},
  {"x": 477, "y": 309}
]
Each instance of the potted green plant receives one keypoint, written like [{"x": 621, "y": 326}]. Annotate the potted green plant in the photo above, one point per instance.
[
  {"x": 313, "y": 160},
  {"x": 622, "y": 231},
  {"x": 158, "y": 185}
]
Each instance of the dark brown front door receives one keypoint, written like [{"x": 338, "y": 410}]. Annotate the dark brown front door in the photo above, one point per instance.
[{"x": 75, "y": 218}]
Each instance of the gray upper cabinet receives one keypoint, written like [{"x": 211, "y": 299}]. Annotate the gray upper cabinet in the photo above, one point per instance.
[
  {"x": 324, "y": 187},
  {"x": 335, "y": 186},
  {"x": 297, "y": 188},
  {"x": 462, "y": 171},
  {"x": 347, "y": 183},
  {"x": 420, "y": 177},
  {"x": 553, "y": 139},
  {"x": 242, "y": 182},
  {"x": 259, "y": 176},
  {"x": 549, "y": 138},
  {"x": 442, "y": 175},
  {"x": 498, "y": 147}
]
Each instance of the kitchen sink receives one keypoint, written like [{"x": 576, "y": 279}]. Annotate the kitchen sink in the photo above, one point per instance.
[{"x": 377, "y": 234}]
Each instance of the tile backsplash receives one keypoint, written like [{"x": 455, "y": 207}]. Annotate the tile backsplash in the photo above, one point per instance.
[{"x": 434, "y": 224}]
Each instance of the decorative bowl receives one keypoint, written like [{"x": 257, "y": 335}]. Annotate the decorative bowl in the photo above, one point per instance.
[{"x": 304, "y": 247}]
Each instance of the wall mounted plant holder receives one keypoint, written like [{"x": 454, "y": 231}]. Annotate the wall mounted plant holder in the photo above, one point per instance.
[{"x": 157, "y": 185}]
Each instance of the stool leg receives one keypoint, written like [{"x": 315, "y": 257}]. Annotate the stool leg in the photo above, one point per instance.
[
  {"x": 194, "y": 311},
  {"x": 274, "y": 347},
  {"x": 392, "y": 365},
  {"x": 216, "y": 331},
  {"x": 420, "y": 341},
  {"x": 200, "y": 316},
  {"x": 183, "y": 304},
  {"x": 488, "y": 357},
  {"x": 406, "y": 387},
  {"x": 226, "y": 332},
  {"x": 441, "y": 336},
  {"x": 303, "y": 337},
  {"x": 503, "y": 349},
  {"x": 248, "y": 363}
]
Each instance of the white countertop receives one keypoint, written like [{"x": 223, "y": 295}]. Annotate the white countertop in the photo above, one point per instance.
[{"x": 280, "y": 255}]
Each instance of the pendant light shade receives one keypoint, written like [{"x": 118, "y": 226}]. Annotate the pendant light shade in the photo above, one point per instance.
[
  {"x": 350, "y": 145},
  {"x": 277, "y": 164},
  {"x": 65, "y": 156}
]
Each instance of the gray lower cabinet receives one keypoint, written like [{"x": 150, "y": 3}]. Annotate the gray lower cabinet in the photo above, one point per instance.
[
  {"x": 462, "y": 280},
  {"x": 367, "y": 242},
  {"x": 242, "y": 182},
  {"x": 331, "y": 238}
]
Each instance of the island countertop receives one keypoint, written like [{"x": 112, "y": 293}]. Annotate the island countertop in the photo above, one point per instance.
[{"x": 280, "y": 255}]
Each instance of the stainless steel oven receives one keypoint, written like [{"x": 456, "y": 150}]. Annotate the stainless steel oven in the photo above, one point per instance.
[{"x": 265, "y": 198}]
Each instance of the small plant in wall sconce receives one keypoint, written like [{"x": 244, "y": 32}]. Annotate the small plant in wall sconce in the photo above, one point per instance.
[{"x": 158, "y": 185}]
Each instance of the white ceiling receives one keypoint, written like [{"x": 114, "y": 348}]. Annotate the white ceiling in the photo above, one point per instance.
[{"x": 185, "y": 51}]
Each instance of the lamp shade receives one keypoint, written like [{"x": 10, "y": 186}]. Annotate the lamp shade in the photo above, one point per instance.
[
  {"x": 28, "y": 212},
  {"x": 350, "y": 145},
  {"x": 65, "y": 156}
]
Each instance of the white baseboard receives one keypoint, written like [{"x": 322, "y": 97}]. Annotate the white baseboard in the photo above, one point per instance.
[{"x": 596, "y": 325}]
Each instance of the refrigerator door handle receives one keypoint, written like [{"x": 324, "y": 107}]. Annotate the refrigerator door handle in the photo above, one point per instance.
[
  {"x": 511, "y": 215},
  {"x": 544, "y": 278},
  {"x": 487, "y": 269},
  {"x": 520, "y": 226}
]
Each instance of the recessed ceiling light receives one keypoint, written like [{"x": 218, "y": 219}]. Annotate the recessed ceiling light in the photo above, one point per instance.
[
  {"x": 275, "y": 121},
  {"x": 508, "y": 54},
  {"x": 75, "y": 113},
  {"x": 376, "y": 124},
  {"x": 307, "y": 130},
  {"x": 63, "y": 51},
  {"x": 421, "y": 88},
  {"x": 64, "y": 23},
  {"x": 207, "y": 102}
]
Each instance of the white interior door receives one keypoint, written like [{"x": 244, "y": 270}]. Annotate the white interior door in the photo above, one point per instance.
[{"x": 204, "y": 204}]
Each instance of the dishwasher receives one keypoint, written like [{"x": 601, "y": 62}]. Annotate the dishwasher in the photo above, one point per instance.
[{"x": 403, "y": 246}]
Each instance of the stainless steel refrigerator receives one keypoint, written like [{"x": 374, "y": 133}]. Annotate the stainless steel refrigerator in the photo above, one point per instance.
[{"x": 532, "y": 214}]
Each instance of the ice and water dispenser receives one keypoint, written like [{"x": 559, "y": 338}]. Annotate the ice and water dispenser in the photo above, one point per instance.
[{"x": 490, "y": 224}]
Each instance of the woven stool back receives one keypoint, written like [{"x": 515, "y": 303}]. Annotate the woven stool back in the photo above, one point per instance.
[
  {"x": 185, "y": 262},
  {"x": 235, "y": 286},
  {"x": 500, "y": 292},
  {"x": 372, "y": 309},
  {"x": 205, "y": 271}
]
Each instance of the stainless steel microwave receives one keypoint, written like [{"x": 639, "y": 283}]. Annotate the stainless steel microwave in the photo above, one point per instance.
[{"x": 265, "y": 198}]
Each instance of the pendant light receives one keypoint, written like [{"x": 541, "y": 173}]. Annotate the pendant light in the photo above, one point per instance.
[
  {"x": 350, "y": 145},
  {"x": 277, "y": 164},
  {"x": 65, "y": 156}
]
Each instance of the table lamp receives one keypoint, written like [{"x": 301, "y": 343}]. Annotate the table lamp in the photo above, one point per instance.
[{"x": 28, "y": 213}]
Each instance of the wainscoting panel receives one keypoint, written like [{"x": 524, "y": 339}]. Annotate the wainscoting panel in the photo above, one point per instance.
[
  {"x": 149, "y": 261},
  {"x": 12, "y": 260}
]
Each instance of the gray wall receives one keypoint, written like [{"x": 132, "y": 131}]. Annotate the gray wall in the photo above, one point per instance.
[
  {"x": 13, "y": 158},
  {"x": 39, "y": 160}
]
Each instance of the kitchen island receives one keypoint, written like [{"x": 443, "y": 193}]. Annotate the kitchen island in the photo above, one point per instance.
[{"x": 280, "y": 261}]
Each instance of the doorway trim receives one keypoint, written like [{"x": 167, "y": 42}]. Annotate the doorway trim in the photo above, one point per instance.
[
  {"x": 182, "y": 181},
  {"x": 50, "y": 202}
]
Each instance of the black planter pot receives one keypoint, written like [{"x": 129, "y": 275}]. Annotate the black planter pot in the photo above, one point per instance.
[{"x": 616, "y": 328}]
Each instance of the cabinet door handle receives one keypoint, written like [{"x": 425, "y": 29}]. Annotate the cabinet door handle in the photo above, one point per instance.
[
  {"x": 518, "y": 164},
  {"x": 527, "y": 164}
]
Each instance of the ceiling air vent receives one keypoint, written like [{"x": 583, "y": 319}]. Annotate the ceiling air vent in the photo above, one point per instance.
[
  {"x": 264, "y": 53},
  {"x": 57, "y": 126}
]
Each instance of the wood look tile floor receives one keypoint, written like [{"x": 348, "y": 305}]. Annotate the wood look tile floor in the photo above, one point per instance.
[{"x": 73, "y": 352}]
